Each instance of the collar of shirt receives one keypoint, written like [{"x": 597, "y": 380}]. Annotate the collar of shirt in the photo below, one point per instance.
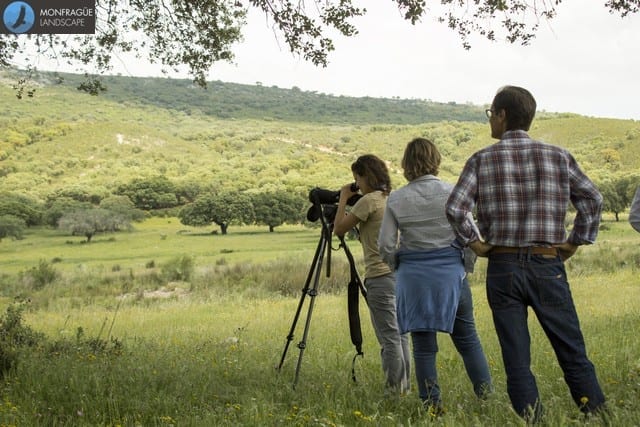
[
  {"x": 517, "y": 135},
  {"x": 427, "y": 177}
]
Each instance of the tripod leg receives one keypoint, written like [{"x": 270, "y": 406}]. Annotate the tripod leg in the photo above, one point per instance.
[
  {"x": 313, "y": 292},
  {"x": 315, "y": 266}
]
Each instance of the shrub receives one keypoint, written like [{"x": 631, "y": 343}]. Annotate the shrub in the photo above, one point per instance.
[
  {"x": 40, "y": 276},
  {"x": 11, "y": 226},
  {"x": 178, "y": 269},
  {"x": 14, "y": 336}
]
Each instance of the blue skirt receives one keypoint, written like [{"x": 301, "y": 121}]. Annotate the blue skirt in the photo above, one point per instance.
[{"x": 428, "y": 285}]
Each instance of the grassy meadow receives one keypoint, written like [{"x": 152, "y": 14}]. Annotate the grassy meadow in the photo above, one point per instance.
[
  {"x": 173, "y": 326},
  {"x": 169, "y": 325}
]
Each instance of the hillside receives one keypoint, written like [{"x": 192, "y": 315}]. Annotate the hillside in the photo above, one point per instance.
[
  {"x": 238, "y": 101},
  {"x": 62, "y": 137}
]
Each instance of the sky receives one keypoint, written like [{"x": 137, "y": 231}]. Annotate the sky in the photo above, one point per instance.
[{"x": 584, "y": 61}]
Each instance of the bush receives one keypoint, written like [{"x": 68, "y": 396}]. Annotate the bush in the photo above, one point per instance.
[
  {"x": 14, "y": 336},
  {"x": 40, "y": 276},
  {"x": 11, "y": 226},
  {"x": 178, "y": 269}
]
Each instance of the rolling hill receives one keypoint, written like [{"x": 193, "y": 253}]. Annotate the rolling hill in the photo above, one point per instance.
[{"x": 249, "y": 138}]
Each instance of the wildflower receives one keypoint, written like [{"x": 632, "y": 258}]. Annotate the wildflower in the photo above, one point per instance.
[
  {"x": 435, "y": 411},
  {"x": 584, "y": 400},
  {"x": 361, "y": 416},
  {"x": 166, "y": 419}
]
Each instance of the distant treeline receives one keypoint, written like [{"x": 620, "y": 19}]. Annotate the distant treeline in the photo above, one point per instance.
[{"x": 240, "y": 101}]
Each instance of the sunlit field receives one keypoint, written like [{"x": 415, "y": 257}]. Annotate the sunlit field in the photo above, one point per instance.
[{"x": 169, "y": 325}]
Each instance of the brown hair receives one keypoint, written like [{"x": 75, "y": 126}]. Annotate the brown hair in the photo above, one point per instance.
[
  {"x": 421, "y": 157},
  {"x": 518, "y": 104},
  {"x": 374, "y": 171}
]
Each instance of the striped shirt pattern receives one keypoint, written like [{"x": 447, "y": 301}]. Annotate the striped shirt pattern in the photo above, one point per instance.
[{"x": 521, "y": 190}]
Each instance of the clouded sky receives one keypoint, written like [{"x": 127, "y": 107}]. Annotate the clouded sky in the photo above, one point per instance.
[{"x": 584, "y": 61}]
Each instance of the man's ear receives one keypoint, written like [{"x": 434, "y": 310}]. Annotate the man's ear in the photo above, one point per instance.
[{"x": 502, "y": 118}]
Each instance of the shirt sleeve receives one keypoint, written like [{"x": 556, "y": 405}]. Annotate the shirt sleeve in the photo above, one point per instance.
[
  {"x": 588, "y": 201},
  {"x": 362, "y": 209},
  {"x": 388, "y": 238},
  {"x": 461, "y": 202}
]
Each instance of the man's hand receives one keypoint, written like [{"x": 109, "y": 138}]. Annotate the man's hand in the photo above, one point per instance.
[
  {"x": 481, "y": 249},
  {"x": 566, "y": 250}
]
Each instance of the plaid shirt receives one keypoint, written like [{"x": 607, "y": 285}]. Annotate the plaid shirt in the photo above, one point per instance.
[{"x": 521, "y": 189}]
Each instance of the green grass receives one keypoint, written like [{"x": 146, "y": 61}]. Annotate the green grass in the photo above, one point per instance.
[
  {"x": 156, "y": 239},
  {"x": 207, "y": 356}
]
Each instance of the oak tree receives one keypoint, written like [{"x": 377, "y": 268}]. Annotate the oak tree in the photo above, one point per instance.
[
  {"x": 276, "y": 208},
  {"x": 221, "y": 208},
  {"x": 89, "y": 222}
]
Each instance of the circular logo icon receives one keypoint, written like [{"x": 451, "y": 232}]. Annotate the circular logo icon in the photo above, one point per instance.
[{"x": 18, "y": 17}]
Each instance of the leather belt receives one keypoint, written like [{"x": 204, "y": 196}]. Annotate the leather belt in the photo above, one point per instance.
[{"x": 533, "y": 250}]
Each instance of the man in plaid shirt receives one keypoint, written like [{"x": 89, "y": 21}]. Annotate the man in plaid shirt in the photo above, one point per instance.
[{"x": 520, "y": 189}]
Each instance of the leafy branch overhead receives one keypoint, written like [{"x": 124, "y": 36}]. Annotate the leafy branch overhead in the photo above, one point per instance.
[{"x": 198, "y": 33}]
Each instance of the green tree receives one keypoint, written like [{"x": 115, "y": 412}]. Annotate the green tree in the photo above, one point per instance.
[
  {"x": 187, "y": 191},
  {"x": 276, "y": 208},
  {"x": 56, "y": 208},
  {"x": 11, "y": 226},
  {"x": 23, "y": 207},
  {"x": 613, "y": 202},
  {"x": 218, "y": 208},
  {"x": 626, "y": 187},
  {"x": 123, "y": 206},
  {"x": 150, "y": 193},
  {"x": 89, "y": 222},
  {"x": 618, "y": 192},
  {"x": 200, "y": 33},
  {"x": 79, "y": 193}
]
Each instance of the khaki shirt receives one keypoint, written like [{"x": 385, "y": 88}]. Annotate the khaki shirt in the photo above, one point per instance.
[{"x": 370, "y": 210}]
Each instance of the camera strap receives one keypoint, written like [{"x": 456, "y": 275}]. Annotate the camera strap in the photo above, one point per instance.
[{"x": 353, "y": 306}]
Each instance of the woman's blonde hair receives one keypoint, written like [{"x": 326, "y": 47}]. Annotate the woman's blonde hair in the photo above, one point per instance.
[{"x": 421, "y": 157}]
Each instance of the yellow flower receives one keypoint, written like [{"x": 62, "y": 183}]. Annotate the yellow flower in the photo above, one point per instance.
[{"x": 362, "y": 416}]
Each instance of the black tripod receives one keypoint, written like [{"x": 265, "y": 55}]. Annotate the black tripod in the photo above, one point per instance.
[{"x": 355, "y": 286}]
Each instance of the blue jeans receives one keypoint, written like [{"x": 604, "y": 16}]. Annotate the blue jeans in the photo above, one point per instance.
[
  {"x": 394, "y": 347},
  {"x": 465, "y": 338},
  {"x": 515, "y": 282}
]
